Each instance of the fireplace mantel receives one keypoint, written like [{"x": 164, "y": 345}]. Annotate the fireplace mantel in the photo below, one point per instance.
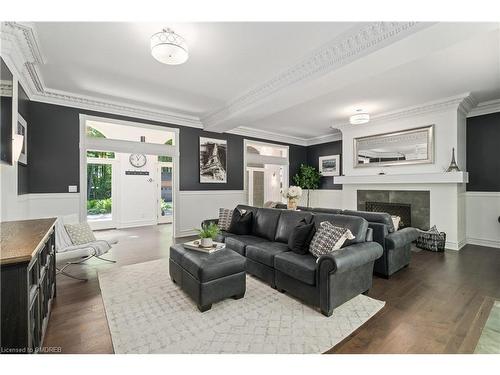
[{"x": 417, "y": 178}]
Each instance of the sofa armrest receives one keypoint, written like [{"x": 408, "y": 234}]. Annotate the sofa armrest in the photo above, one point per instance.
[
  {"x": 380, "y": 231},
  {"x": 349, "y": 257},
  {"x": 209, "y": 221},
  {"x": 401, "y": 238}
]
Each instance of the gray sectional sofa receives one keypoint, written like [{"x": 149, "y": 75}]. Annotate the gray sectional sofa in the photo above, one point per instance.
[
  {"x": 325, "y": 282},
  {"x": 396, "y": 244}
]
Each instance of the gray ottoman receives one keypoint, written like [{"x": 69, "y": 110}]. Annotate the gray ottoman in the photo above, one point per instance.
[{"x": 208, "y": 278}]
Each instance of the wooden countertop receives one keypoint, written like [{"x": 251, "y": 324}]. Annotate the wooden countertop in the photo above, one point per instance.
[{"x": 20, "y": 240}]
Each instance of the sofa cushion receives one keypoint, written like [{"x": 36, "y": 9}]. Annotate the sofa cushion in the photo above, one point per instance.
[
  {"x": 265, "y": 252},
  {"x": 357, "y": 225},
  {"x": 301, "y": 237},
  {"x": 239, "y": 243},
  {"x": 222, "y": 235},
  {"x": 225, "y": 215},
  {"x": 265, "y": 222},
  {"x": 288, "y": 221},
  {"x": 374, "y": 217},
  {"x": 329, "y": 238},
  {"x": 241, "y": 222},
  {"x": 301, "y": 267}
]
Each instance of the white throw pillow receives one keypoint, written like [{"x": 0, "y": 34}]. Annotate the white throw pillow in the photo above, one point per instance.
[
  {"x": 225, "y": 216},
  {"x": 80, "y": 233},
  {"x": 329, "y": 238},
  {"x": 395, "y": 222}
]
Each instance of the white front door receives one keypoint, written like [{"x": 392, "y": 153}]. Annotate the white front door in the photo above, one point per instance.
[{"x": 139, "y": 195}]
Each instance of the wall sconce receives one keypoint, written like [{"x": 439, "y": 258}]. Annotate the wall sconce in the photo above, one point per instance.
[{"x": 17, "y": 146}]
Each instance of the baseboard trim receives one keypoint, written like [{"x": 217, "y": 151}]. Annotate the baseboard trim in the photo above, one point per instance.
[
  {"x": 185, "y": 233},
  {"x": 483, "y": 242},
  {"x": 136, "y": 223}
]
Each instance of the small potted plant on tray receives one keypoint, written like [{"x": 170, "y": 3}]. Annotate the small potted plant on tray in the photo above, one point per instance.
[{"x": 207, "y": 234}]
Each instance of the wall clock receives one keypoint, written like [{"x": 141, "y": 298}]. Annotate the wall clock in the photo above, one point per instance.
[{"x": 137, "y": 160}]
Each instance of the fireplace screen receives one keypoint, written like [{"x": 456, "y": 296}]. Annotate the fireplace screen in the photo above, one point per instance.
[{"x": 402, "y": 210}]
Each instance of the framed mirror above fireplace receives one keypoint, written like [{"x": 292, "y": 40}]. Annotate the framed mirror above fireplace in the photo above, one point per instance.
[{"x": 411, "y": 146}]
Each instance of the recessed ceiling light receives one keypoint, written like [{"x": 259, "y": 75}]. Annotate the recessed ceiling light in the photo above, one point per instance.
[
  {"x": 169, "y": 48},
  {"x": 359, "y": 118}
]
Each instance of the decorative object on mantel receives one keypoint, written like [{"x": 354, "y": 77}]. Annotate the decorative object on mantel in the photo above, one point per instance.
[
  {"x": 411, "y": 146},
  {"x": 432, "y": 240},
  {"x": 329, "y": 165},
  {"x": 453, "y": 165},
  {"x": 307, "y": 178},
  {"x": 292, "y": 194}
]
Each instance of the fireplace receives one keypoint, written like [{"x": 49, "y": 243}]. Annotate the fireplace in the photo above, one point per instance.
[
  {"x": 413, "y": 206},
  {"x": 402, "y": 210}
]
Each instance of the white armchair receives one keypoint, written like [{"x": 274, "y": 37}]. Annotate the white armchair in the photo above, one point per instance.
[{"x": 68, "y": 253}]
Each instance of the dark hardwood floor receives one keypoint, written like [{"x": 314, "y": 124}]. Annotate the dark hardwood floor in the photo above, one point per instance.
[{"x": 438, "y": 304}]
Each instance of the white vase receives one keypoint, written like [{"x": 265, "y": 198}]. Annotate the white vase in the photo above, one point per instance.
[{"x": 207, "y": 242}]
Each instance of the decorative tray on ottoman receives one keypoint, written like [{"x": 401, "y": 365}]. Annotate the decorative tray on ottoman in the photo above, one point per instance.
[{"x": 196, "y": 245}]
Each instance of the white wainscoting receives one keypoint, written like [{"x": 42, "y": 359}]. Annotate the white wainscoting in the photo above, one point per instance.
[
  {"x": 483, "y": 210},
  {"x": 53, "y": 204},
  {"x": 324, "y": 198},
  {"x": 195, "y": 206}
]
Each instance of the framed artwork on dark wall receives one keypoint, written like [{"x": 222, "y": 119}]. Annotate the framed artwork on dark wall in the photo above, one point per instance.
[
  {"x": 22, "y": 130},
  {"x": 213, "y": 161},
  {"x": 329, "y": 165}
]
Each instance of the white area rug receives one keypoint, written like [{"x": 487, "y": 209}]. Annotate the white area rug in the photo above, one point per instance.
[{"x": 148, "y": 313}]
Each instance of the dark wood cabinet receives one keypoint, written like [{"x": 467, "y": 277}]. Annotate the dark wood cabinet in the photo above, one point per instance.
[{"x": 28, "y": 283}]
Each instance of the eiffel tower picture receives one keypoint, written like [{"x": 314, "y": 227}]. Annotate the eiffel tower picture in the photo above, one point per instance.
[{"x": 213, "y": 160}]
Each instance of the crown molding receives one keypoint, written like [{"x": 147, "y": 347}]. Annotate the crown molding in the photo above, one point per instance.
[
  {"x": 485, "y": 108},
  {"x": 267, "y": 135},
  {"x": 21, "y": 47},
  {"x": 337, "y": 136},
  {"x": 351, "y": 45},
  {"x": 458, "y": 102}
]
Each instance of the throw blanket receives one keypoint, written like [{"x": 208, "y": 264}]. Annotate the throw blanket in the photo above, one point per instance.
[{"x": 64, "y": 244}]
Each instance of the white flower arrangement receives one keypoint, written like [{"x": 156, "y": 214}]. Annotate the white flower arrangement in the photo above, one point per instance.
[{"x": 293, "y": 192}]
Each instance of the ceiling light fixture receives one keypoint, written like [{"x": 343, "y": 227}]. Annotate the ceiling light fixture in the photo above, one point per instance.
[
  {"x": 169, "y": 48},
  {"x": 359, "y": 118}
]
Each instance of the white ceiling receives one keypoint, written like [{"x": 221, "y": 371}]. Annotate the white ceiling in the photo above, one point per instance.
[
  {"x": 114, "y": 60},
  {"x": 235, "y": 71}
]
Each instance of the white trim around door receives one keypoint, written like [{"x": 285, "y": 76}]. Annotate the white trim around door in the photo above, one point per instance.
[{"x": 126, "y": 146}]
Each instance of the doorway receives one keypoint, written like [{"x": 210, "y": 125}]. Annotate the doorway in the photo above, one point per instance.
[
  {"x": 101, "y": 189},
  {"x": 266, "y": 172},
  {"x": 128, "y": 173}
]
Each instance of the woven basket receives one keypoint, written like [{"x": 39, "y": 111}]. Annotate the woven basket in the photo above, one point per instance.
[{"x": 431, "y": 241}]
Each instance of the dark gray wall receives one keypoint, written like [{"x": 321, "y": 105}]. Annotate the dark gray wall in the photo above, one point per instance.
[
  {"x": 54, "y": 151},
  {"x": 483, "y": 147},
  {"x": 23, "y": 104},
  {"x": 325, "y": 149}
]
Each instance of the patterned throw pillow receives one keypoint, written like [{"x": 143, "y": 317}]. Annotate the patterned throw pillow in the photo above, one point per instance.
[
  {"x": 329, "y": 238},
  {"x": 80, "y": 233},
  {"x": 225, "y": 216},
  {"x": 395, "y": 222}
]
